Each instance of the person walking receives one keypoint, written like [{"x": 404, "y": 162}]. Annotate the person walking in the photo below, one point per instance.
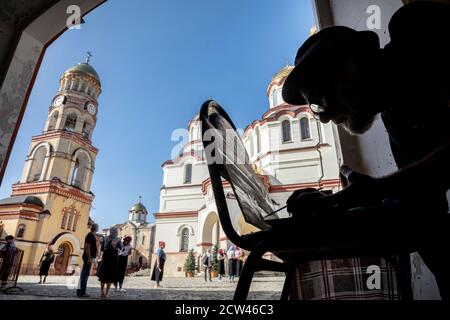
[
  {"x": 231, "y": 263},
  {"x": 48, "y": 256},
  {"x": 89, "y": 255},
  {"x": 207, "y": 263},
  {"x": 158, "y": 270},
  {"x": 238, "y": 261},
  {"x": 139, "y": 266},
  {"x": 122, "y": 262},
  {"x": 220, "y": 264},
  {"x": 108, "y": 268}
]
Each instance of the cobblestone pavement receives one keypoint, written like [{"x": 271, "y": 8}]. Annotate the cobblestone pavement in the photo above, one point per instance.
[{"x": 141, "y": 288}]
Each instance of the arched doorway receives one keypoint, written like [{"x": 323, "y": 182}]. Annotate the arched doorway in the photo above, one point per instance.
[
  {"x": 210, "y": 231},
  {"x": 62, "y": 259}
]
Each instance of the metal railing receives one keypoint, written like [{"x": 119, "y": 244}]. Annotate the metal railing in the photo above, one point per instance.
[{"x": 10, "y": 264}]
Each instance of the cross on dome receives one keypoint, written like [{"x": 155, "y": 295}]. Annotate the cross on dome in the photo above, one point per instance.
[{"x": 88, "y": 56}]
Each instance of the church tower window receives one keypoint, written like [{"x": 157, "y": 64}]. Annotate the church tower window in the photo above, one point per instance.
[
  {"x": 188, "y": 173},
  {"x": 86, "y": 133},
  {"x": 252, "y": 147},
  {"x": 20, "y": 231},
  {"x": 37, "y": 165},
  {"x": 275, "y": 97},
  {"x": 71, "y": 122},
  {"x": 52, "y": 121},
  {"x": 80, "y": 169},
  {"x": 258, "y": 140},
  {"x": 304, "y": 129},
  {"x": 286, "y": 130}
]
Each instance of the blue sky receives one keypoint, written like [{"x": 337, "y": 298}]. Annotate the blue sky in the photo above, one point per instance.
[{"x": 158, "y": 61}]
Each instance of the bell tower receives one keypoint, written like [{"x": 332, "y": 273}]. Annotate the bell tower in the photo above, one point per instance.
[
  {"x": 64, "y": 151},
  {"x": 59, "y": 168}
]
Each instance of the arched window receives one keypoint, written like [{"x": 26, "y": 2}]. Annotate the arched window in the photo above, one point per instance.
[
  {"x": 188, "y": 173},
  {"x": 304, "y": 129},
  {"x": 75, "y": 182},
  {"x": 258, "y": 140},
  {"x": 275, "y": 97},
  {"x": 37, "y": 166},
  {"x": 184, "y": 242},
  {"x": 75, "y": 222},
  {"x": 191, "y": 134},
  {"x": 87, "y": 128},
  {"x": 286, "y": 128},
  {"x": 80, "y": 170},
  {"x": 20, "y": 231},
  {"x": 64, "y": 220},
  {"x": 71, "y": 122},
  {"x": 143, "y": 240},
  {"x": 70, "y": 222},
  {"x": 70, "y": 217},
  {"x": 52, "y": 121},
  {"x": 252, "y": 147}
]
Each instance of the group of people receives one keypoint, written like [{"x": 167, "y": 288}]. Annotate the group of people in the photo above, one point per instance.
[
  {"x": 112, "y": 264},
  {"x": 235, "y": 257},
  {"x": 112, "y": 260}
]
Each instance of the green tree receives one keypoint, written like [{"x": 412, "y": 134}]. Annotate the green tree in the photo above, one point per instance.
[
  {"x": 215, "y": 262},
  {"x": 189, "y": 265}
]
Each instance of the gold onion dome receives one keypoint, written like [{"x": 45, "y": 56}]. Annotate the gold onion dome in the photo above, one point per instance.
[
  {"x": 83, "y": 68},
  {"x": 138, "y": 207},
  {"x": 283, "y": 73}
]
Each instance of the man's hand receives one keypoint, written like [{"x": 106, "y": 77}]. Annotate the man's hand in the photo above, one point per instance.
[{"x": 361, "y": 190}]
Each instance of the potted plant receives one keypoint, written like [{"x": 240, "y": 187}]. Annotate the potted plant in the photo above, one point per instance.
[
  {"x": 215, "y": 262},
  {"x": 189, "y": 265}
]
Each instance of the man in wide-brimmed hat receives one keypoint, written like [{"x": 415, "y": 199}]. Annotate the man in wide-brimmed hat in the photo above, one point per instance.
[{"x": 345, "y": 77}]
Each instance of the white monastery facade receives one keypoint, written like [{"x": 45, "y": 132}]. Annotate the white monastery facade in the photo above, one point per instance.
[{"x": 290, "y": 150}]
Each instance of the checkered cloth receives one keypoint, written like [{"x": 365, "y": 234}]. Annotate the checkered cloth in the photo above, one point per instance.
[{"x": 344, "y": 279}]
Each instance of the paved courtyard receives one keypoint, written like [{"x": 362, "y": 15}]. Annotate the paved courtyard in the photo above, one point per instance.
[{"x": 141, "y": 288}]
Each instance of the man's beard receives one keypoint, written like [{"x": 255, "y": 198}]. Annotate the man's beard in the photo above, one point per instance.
[{"x": 356, "y": 125}]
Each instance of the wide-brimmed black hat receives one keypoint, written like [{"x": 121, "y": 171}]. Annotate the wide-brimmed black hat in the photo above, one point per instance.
[{"x": 327, "y": 45}]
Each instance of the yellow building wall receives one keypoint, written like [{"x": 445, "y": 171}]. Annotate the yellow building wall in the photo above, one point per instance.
[{"x": 39, "y": 233}]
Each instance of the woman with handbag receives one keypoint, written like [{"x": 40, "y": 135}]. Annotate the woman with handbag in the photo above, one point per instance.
[
  {"x": 48, "y": 256},
  {"x": 107, "y": 274}
]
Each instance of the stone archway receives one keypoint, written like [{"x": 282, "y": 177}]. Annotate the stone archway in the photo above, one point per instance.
[
  {"x": 210, "y": 231},
  {"x": 63, "y": 257}
]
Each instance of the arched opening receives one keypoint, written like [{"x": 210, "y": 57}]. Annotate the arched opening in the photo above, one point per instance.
[
  {"x": 80, "y": 170},
  {"x": 37, "y": 166},
  {"x": 275, "y": 98},
  {"x": 69, "y": 218},
  {"x": 64, "y": 219},
  {"x": 211, "y": 230},
  {"x": 305, "y": 131},
  {"x": 52, "y": 121},
  {"x": 286, "y": 130},
  {"x": 62, "y": 258},
  {"x": 184, "y": 240},
  {"x": 188, "y": 173},
  {"x": 71, "y": 122},
  {"x": 252, "y": 147},
  {"x": 87, "y": 129},
  {"x": 20, "y": 231},
  {"x": 258, "y": 140}
]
